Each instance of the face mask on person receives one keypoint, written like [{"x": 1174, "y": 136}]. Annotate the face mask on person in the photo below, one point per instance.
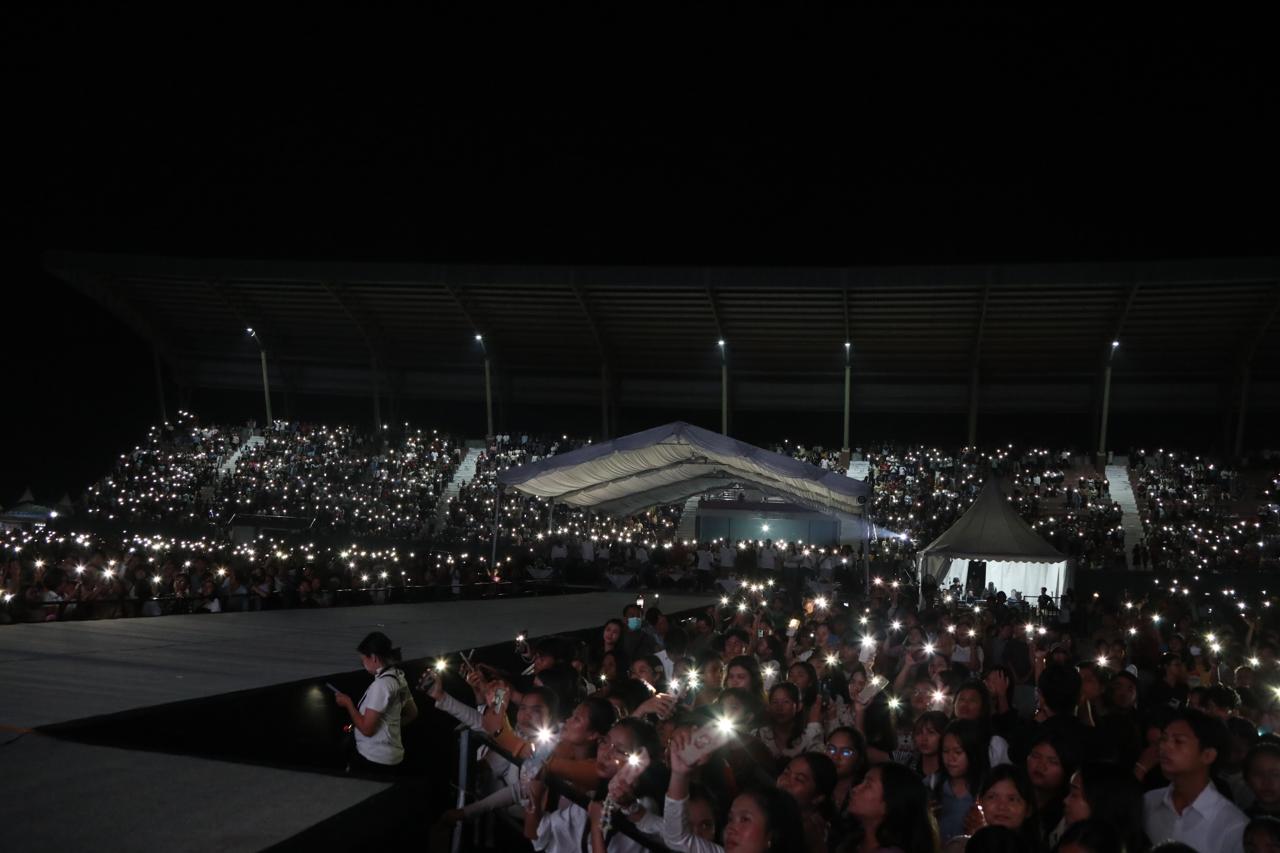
[{"x": 633, "y": 623}]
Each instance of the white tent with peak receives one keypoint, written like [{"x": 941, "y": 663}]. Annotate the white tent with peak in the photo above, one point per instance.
[{"x": 992, "y": 532}]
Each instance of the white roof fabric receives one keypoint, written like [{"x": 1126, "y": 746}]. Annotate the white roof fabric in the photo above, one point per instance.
[
  {"x": 989, "y": 530},
  {"x": 670, "y": 463}
]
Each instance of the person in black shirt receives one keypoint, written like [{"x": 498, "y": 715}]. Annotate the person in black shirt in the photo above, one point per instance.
[
  {"x": 1262, "y": 775},
  {"x": 1058, "y": 693},
  {"x": 1171, "y": 689}
]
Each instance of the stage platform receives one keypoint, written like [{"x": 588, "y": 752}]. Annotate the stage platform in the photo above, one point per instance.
[
  {"x": 56, "y": 672},
  {"x": 74, "y": 796},
  {"x": 215, "y": 732}
]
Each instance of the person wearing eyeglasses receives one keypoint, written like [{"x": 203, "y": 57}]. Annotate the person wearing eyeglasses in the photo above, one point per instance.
[
  {"x": 847, "y": 749},
  {"x": 570, "y": 828}
]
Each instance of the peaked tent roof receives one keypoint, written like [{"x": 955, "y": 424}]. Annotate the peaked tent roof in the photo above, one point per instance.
[
  {"x": 992, "y": 530},
  {"x": 673, "y": 462}
]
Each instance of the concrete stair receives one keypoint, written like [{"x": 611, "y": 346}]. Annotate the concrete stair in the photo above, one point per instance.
[
  {"x": 688, "y": 527},
  {"x": 228, "y": 467},
  {"x": 465, "y": 473},
  {"x": 1131, "y": 521}
]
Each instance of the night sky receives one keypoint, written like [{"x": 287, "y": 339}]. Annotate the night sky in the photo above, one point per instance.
[{"x": 968, "y": 143}]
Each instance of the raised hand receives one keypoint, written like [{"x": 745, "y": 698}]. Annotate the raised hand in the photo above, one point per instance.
[
  {"x": 974, "y": 820},
  {"x": 661, "y": 704}
]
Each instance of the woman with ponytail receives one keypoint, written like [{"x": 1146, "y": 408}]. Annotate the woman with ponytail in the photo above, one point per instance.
[{"x": 385, "y": 706}]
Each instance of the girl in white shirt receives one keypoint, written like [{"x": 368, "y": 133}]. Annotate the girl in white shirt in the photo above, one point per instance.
[
  {"x": 384, "y": 707},
  {"x": 569, "y": 827},
  {"x": 789, "y": 731}
]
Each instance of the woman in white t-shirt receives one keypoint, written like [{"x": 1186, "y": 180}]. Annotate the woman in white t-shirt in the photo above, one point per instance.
[{"x": 385, "y": 706}]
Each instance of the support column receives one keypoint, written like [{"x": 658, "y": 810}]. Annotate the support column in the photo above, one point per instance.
[
  {"x": 973, "y": 407},
  {"x": 847, "y": 371},
  {"x": 377, "y": 403},
  {"x": 1106, "y": 407},
  {"x": 488, "y": 398},
  {"x": 1238, "y": 444},
  {"x": 724, "y": 398},
  {"x": 164, "y": 414},
  {"x": 604, "y": 401},
  {"x": 266, "y": 387}
]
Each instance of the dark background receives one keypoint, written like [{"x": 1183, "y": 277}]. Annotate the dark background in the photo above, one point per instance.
[{"x": 933, "y": 139}]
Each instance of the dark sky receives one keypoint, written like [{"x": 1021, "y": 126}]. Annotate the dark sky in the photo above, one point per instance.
[{"x": 942, "y": 141}]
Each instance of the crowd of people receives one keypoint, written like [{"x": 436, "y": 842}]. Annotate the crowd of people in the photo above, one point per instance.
[
  {"x": 190, "y": 475},
  {"x": 1189, "y": 518},
  {"x": 922, "y": 491},
  {"x": 867, "y": 719},
  {"x": 883, "y": 722},
  {"x": 374, "y": 504},
  {"x": 826, "y": 458}
]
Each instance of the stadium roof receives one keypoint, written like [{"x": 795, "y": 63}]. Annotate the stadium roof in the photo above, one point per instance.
[{"x": 1174, "y": 318}]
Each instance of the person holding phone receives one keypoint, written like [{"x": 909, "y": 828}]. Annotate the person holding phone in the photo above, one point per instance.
[{"x": 386, "y": 705}]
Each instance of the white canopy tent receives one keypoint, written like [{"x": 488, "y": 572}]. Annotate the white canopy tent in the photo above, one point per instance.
[
  {"x": 670, "y": 463},
  {"x": 990, "y": 531}
]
